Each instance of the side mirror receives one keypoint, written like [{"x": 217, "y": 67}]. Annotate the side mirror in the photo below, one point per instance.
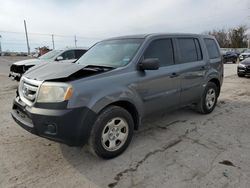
[
  {"x": 59, "y": 58},
  {"x": 149, "y": 64}
]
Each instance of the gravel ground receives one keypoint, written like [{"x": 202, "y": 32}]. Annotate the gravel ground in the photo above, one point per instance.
[{"x": 178, "y": 149}]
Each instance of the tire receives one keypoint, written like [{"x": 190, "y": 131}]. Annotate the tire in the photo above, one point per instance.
[
  {"x": 241, "y": 75},
  {"x": 112, "y": 132},
  {"x": 204, "y": 106}
]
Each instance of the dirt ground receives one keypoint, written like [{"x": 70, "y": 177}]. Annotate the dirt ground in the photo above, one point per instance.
[{"x": 178, "y": 149}]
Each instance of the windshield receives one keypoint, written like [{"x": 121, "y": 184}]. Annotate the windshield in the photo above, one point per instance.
[
  {"x": 111, "y": 53},
  {"x": 50, "y": 55}
]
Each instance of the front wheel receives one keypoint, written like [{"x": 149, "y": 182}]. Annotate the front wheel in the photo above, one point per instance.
[
  {"x": 112, "y": 132},
  {"x": 209, "y": 98}
]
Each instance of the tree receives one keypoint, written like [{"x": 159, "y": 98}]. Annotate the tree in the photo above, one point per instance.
[
  {"x": 221, "y": 36},
  {"x": 238, "y": 38},
  {"x": 231, "y": 38}
]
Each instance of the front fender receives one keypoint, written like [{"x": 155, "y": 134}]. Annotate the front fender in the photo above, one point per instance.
[
  {"x": 127, "y": 95},
  {"x": 99, "y": 97}
]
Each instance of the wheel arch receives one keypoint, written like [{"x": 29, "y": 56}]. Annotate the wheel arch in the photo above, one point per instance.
[
  {"x": 216, "y": 81},
  {"x": 131, "y": 108}
]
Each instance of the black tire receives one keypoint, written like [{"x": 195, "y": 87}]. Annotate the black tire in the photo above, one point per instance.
[
  {"x": 95, "y": 141},
  {"x": 202, "y": 107},
  {"x": 234, "y": 61},
  {"x": 241, "y": 75}
]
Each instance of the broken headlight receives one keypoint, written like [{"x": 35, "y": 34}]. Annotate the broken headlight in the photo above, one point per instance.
[{"x": 54, "y": 92}]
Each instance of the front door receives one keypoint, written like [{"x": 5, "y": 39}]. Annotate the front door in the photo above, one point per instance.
[{"x": 160, "y": 89}]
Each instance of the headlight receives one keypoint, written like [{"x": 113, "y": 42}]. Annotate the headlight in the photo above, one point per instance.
[
  {"x": 54, "y": 92},
  {"x": 242, "y": 65}
]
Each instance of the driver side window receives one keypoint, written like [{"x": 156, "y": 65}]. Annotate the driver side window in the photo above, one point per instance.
[{"x": 161, "y": 49}]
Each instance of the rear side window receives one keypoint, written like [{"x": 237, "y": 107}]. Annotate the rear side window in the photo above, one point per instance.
[
  {"x": 212, "y": 48},
  {"x": 189, "y": 49},
  {"x": 161, "y": 49}
]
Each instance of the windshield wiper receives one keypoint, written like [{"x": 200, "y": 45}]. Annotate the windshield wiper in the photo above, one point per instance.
[{"x": 100, "y": 67}]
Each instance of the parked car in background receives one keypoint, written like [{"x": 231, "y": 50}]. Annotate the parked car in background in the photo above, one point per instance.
[
  {"x": 244, "y": 67},
  {"x": 244, "y": 55},
  {"x": 102, "y": 98},
  {"x": 229, "y": 56},
  {"x": 237, "y": 51},
  {"x": 68, "y": 55}
]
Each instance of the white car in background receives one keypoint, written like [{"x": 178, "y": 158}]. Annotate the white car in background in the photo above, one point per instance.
[
  {"x": 244, "y": 55},
  {"x": 67, "y": 55}
]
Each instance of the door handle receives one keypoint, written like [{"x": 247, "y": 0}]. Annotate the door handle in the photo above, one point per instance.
[{"x": 173, "y": 75}]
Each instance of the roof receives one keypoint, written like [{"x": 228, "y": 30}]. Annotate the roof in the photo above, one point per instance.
[
  {"x": 143, "y": 36},
  {"x": 73, "y": 48}
]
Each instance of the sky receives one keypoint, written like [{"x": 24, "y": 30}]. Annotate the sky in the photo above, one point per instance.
[{"x": 94, "y": 20}]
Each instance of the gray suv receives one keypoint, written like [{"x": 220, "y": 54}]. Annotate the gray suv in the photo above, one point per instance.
[{"x": 102, "y": 98}]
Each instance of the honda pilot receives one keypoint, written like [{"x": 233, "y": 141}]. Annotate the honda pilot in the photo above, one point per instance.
[{"x": 103, "y": 97}]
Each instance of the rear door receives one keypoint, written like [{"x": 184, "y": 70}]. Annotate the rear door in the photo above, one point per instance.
[
  {"x": 215, "y": 61},
  {"x": 192, "y": 68},
  {"x": 160, "y": 89}
]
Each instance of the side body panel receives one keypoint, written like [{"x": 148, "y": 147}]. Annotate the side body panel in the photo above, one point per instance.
[
  {"x": 216, "y": 66},
  {"x": 192, "y": 75}
]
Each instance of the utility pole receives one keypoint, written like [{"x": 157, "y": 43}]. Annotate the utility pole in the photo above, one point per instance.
[
  {"x": 53, "y": 42},
  {"x": 75, "y": 42},
  {"x": 27, "y": 39}
]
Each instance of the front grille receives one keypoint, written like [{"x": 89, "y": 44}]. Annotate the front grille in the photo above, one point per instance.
[
  {"x": 17, "y": 69},
  {"x": 28, "y": 90}
]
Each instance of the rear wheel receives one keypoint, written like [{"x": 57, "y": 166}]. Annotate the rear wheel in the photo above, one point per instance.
[
  {"x": 112, "y": 132},
  {"x": 209, "y": 98}
]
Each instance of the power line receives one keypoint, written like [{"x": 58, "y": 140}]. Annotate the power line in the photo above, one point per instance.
[
  {"x": 16, "y": 40},
  {"x": 46, "y": 34}
]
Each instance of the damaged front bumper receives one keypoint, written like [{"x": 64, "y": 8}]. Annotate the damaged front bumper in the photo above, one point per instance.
[
  {"x": 69, "y": 126},
  {"x": 15, "y": 76}
]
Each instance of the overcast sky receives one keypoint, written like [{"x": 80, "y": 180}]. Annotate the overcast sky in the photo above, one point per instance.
[{"x": 97, "y": 19}]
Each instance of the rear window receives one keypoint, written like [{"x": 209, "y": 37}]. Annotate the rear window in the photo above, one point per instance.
[
  {"x": 212, "y": 48},
  {"x": 189, "y": 49}
]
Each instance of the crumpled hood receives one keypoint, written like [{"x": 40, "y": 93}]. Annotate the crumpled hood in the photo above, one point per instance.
[
  {"x": 28, "y": 62},
  {"x": 51, "y": 71}
]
